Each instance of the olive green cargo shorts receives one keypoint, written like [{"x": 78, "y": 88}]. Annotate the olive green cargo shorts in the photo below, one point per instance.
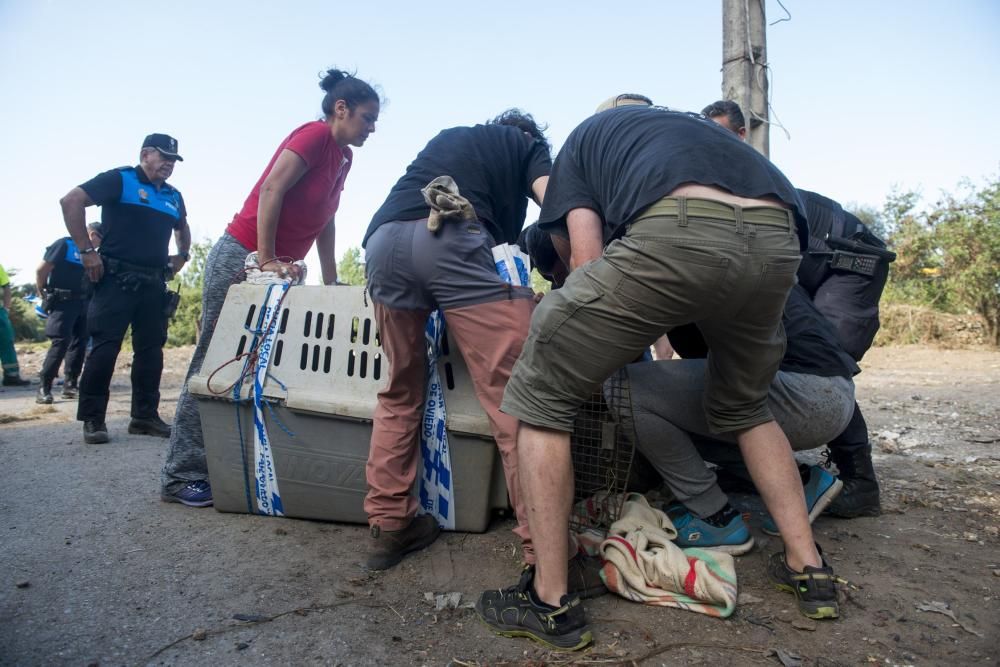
[{"x": 726, "y": 268}]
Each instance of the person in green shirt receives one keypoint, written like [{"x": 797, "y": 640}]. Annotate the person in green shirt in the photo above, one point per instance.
[{"x": 11, "y": 371}]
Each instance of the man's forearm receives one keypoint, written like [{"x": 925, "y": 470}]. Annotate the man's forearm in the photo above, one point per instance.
[
  {"x": 74, "y": 213},
  {"x": 585, "y": 239},
  {"x": 41, "y": 278},
  {"x": 182, "y": 237},
  {"x": 6, "y": 297},
  {"x": 538, "y": 188}
]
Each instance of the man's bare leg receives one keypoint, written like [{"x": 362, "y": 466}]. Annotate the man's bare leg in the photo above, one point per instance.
[
  {"x": 546, "y": 471},
  {"x": 768, "y": 457}
]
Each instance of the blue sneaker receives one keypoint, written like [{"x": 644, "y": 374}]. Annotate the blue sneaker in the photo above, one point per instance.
[
  {"x": 692, "y": 532},
  {"x": 193, "y": 494},
  {"x": 821, "y": 489}
]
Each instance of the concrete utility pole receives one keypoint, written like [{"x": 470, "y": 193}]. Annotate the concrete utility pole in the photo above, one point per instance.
[{"x": 744, "y": 60}]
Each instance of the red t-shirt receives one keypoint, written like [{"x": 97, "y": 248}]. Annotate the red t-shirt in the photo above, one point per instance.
[{"x": 309, "y": 204}]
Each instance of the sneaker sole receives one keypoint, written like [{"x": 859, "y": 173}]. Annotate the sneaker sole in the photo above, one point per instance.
[
  {"x": 43, "y": 401},
  {"x": 822, "y": 503},
  {"x": 815, "y": 611},
  {"x": 573, "y": 641},
  {"x": 138, "y": 430},
  {"x": 731, "y": 549},
  {"x": 174, "y": 499},
  {"x": 96, "y": 439}
]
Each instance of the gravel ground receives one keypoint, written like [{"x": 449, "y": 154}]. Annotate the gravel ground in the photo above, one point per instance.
[{"x": 95, "y": 570}]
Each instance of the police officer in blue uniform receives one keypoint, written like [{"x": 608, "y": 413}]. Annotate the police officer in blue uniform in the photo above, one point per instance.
[
  {"x": 60, "y": 282},
  {"x": 139, "y": 212}
]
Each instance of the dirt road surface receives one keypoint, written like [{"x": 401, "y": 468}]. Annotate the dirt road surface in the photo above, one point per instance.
[{"x": 96, "y": 570}]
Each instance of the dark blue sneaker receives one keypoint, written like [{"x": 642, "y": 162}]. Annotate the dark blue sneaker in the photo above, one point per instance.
[
  {"x": 692, "y": 532},
  {"x": 821, "y": 489},
  {"x": 193, "y": 494}
]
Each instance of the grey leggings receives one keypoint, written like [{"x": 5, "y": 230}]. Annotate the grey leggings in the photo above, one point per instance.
[
  {"x": 673, "y": 432},
  {"x": 186, "y": 456}
]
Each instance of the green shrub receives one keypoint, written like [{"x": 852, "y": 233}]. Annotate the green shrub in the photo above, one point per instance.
[
  {"x": 948, "y": 254},
  {"x": 184, "y": 327}
]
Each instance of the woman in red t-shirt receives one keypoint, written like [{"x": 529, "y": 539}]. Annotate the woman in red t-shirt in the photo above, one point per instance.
[
  {"x": 295, "y": 199},
  {"x": 291, "y": 206}
]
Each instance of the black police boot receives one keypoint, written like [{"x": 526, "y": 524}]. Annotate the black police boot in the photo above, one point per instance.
[
  {"x": 44, "y": 396},
  {"x": 15, "y": 381},
  {"x": 95, "y": 432},
  {"x": 860, "y": 495},
  {"x": 150, "y": 426},
  {"x": 70, "y": 388}
]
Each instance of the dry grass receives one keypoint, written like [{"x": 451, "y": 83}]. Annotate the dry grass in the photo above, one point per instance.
[
  {"x": 904, "y": 324},
  {"x": 31, "y": 415}
]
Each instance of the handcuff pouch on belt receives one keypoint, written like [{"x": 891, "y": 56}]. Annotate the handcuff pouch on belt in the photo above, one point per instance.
[{"x": 171, "y": 300}]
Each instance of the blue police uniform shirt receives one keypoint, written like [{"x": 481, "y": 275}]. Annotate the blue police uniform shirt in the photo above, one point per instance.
[
  {"x": 67, "y": 271},
  {"x": 137, "y": 218}
]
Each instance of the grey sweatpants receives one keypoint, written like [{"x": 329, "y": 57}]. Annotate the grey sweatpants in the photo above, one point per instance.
[
  {"x": 673, "y": 432},
  {"x": 186, "y": 456}
]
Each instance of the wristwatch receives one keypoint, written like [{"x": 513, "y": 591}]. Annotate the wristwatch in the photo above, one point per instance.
[
  {"x": 87, "y": 251},
  {"x": 186, "y": 256}
]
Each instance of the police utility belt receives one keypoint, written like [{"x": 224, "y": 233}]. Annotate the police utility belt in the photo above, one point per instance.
[
  {"x": 53, "y": 296},
  {"x": 126, "y": 272},
  {"x": 58, "y": 294},
  {"x": 133, "y": 277}
]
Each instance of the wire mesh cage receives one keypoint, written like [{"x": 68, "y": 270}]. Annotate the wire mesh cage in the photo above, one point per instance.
[{"x": 602, "y": 447}]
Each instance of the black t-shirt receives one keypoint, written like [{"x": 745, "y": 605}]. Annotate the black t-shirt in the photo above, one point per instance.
[
  {"x": 812, "y": 348},
  {"x": 67, "y": 272},
  {"x": 493, "y": 166},
  {"x": 137, "y": 218},
  {"x": 619, "y": 162}
]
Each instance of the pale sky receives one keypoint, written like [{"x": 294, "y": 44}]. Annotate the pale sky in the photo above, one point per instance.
[{"x": 873, "y": 94}]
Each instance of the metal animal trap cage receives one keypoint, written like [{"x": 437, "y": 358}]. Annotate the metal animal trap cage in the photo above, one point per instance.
[{"x": 602, "y": 447}]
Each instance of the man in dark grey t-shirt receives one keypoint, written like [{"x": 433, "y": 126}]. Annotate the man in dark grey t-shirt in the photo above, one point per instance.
[{"x": 708, "y": 231}]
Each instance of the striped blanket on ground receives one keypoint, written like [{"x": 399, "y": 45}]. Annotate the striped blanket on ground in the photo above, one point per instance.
[{"x": 643, "y": 564}]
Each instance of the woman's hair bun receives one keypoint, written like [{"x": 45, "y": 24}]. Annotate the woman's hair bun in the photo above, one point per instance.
[
  {"x": 341, "y": 85},
  {"x": 332, "y": 78}
]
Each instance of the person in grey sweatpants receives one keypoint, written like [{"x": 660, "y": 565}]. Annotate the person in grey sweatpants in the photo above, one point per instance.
[
  {"x": 811, "y": 398},
  {"x": 185, "y": 465}
]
